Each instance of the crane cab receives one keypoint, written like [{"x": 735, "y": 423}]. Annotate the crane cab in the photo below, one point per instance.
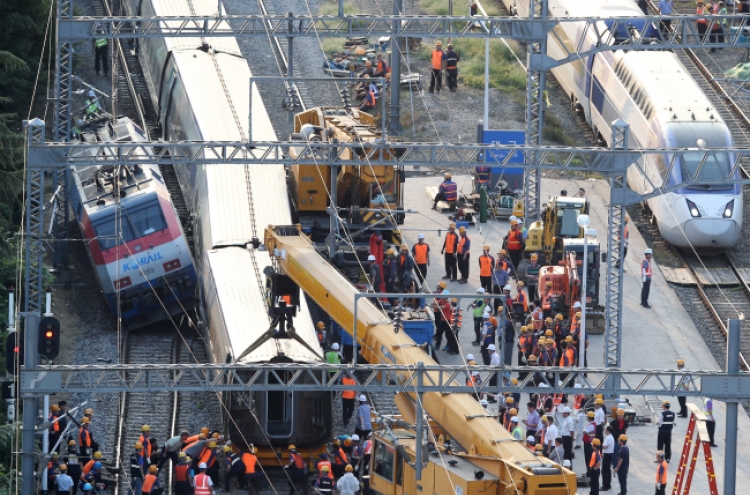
[
  {"x": 392, "y": 470},
  {"x": 559, "y": 221}
]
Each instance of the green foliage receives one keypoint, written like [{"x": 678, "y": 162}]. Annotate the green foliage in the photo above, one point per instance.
[{"x": 8, "y": 434}]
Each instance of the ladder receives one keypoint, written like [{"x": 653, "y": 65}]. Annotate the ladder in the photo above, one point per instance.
[{"x": 685, "y": 472}]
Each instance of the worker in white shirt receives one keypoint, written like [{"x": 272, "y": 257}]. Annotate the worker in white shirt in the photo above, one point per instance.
[
  {"x": 348, "y": 484},
  {"x": 579, "y": 416},
  {"x": 600, "y": 418},
  {"x": 566, "y": 431},
  {"x": 608, "y": 451},
  {"x": 550, "y": 434}
]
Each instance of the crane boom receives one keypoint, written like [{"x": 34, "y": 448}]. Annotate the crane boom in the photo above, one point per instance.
[{"x": 458, "y": 414}]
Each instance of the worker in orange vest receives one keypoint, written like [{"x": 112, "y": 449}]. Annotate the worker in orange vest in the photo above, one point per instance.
[
  {"x": 486, "y": 264},
  {"x": 438, "y": 62},
  {"x": 661, "y": 473},
  {"x": 546, "y": 298},
  {"x": 145, "y": 432},
  {"x": 514, "y": 243},
  {"x": 297, "y": 472},
  {"x": 234, "y": 468},
  {"x": 208, "y": 456},
  {"x": 464, "y": 251},
  {"x": 450, "y": 246},
  {"x": 151, "y": 482},
  {"x": 338, "y": 459},
  {"x": 252, "y": 474},
  {"x": 348, "y": 396},
  {"x": 183, "y": 475},
  {"x": 324, "y": 462},
  {"x": 595, "y": 465},
  {"x": 421, "y": 253},
  {"x": 85, "y": 440}
]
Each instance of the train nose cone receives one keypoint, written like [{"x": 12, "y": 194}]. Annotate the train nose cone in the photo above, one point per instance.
[{"x": 712, "y": 232}]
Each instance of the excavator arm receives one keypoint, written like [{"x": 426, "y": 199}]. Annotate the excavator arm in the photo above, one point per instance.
[{"x": 458, "y": 414}]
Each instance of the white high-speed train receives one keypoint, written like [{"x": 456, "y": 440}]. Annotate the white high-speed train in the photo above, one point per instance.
[
  {"x": 653, "y": 92},
  {"x": 201, "y": 88}
]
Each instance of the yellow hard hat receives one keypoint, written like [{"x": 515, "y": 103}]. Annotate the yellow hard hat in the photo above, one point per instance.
[
  {"x": 438, "y": 43},
  {"x": 521, "y": 284},
  {"x": 152, "y": 468},
  {"x": 181, "y": 455},
  {"x": 548, "y": 319},
  {"x": 509, "y": 400},
  {"x": 368, "y": 64},
  {"x": 599, "y": 396},
  {"x": 513, "y": 411},
  {"x": 292, "y": 447},
  {"x": 454, "y": 300},
  {"x": 514, "y": 381},
  {"x": 620, "y": 411},
  {"x": 325, "y": 468},
  {"x": 599, "y": 402},
  {"x": 85, "y": 420},
  {"x": 514, "y": 222},
  {"x": 538, "y": 447},
  {"x": 486, "y": 247},
  {"x": 404, "y": 247},
  {"x": 503, "y": 251},
  {"x": 627, "y": 218},
  {"x": 590, "y": 414},
  {"x": 578, "y": 314},
  {"x": 542, "y": 340},
  {"x": 337, "y": 442},
  {"x": 145, "y": 428},
  {"x": 138, "y": 446},
  {"x": 97, "y": 455},
  {"x": 596, "y": 441},
  {"x": 534, "y": 256},
  {"x": 212, "y": 444},
  {"x": 202, "y": 436},
  {"x": 559, "y": 316},
  {"x": 227, "y": 448},
  {"x": 447, "y": 175},
  {"x": 548, "y": 332},
  {"x": 55, "y": 407},
  {"x": 452, "y": 225},
  {"x": 548, "y": 284},
  {"x": 88, "y": 412},
  {"x": 681, "y": 362},
  {"x": 623, "y": 437},
  {"x": 63, "y": 467},
  {"x": 320, "y": 324},
  {"x": 442, "y": 284},
  {"x": 531, "y": 358},
  {"x": 569, "y": 339},
  {"x": 348, "y": 468},
  {"x": 215, "y": 434},
  {"x": 390, "y": 251},
  {"x": 71, "y": 442},
  {"x": 205, "y": 430},
  {"x": 472, "y": 363},
  {"x": 360, "y": 50},
  {"x": 524, "y": 329},
  {"x": 462, "y": 229},
  {"x": 347, "y": 442}
]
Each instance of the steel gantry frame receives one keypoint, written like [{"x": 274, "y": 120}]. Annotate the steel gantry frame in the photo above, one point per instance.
[{"x": 536, "y": 82}]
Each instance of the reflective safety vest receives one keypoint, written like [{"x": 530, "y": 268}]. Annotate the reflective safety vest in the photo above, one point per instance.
[
  {"x": 84, "y": 438},
  {"x": 450, "y": 190},
  {"x": 146, "y": 446},
  {"x": 339, "y": 457},
  {"x": 348, "y": 394},
  {"x": 479, "y": 306},
  {"x": 573, "y": 323},
  {"x": 646, "y": 266},
  {"x": 700, "y": 11},
  {"x": 515, "y": 239},
  {"x": 537, "y": 318},
  {"x": 522, "y": 299},
  {"x": 437, "y": 59},
  {"x": 320, "y": 469},
  {"x": 201, "y": 484},
  {"x": 547, "y": 300},
  {"x": 485, "y": 265},
  {"x": 371, "y": 99},
  {"x": 451, "y": 241},
  {"x": 148, "y": 482},
  {"x": 457, "y": 317},
  {"x": 472, "y": 381},
  {"x": 381, "y": 68},
  {"x": 56, "y": 425},
  {"x": 208, "y": 456},
  {"x": 181, "y": 471},
  {"x": 325, "y": 484},
  {"x": 596, "y": 458},
  {"x": 92, "y": 107},
  {"x": 661, "y": 473},
  {"x": 420, "y": 253},
  {"x": 368, "y": 447},
  {"x": 249, "y": 460},
  {"x": 461, "y": 243},
  {"x": 100, "y": 42},
  {"x": 483, "y": 175},
  {"x": 332, "y": 357}
]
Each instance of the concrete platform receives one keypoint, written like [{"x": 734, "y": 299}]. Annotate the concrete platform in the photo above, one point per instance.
[{"x": 652, "y": 338}]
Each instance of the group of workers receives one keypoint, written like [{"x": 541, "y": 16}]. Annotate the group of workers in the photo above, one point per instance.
[{"x": 367, "y": 91}]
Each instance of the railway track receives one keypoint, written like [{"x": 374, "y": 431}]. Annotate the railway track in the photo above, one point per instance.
[{"x": 724, "y": 289}]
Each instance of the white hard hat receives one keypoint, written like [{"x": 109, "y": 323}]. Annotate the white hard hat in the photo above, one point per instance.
[
  {"x": 530, "y": 439},
  {"x": 481, "y": 290},
  {"x": 474, "y": 373},
  {"x": 420, "y": 236},
  {"x": 514, "y": 419},
  {"x": 486, "y": 316},
  {"x": 202, "y": 465},
  {"x": 566, "y": 410},
  {"x": 484, "y": 403},
  {"x": 371, "y": 258},
  {"x": 470, "y": 357},
  {"x": 507, "y": 287},
  {"x": 649, "y": 251},
  {"x": 335, "y": 346},
  {"x": 491, "y": 347},
  {"x": 355, "y": 438},
  {"x": 362, "y": 398},
  {"x": 566, "y": 463},
  {"x": 513, "y": 217},
  {"x": 577, "y": 304},
  {"x": 91, "y": 93},
  {"x": 577, "y": 385}
]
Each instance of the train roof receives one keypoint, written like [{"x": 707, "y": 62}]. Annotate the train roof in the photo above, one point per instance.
[
  {"x": 241, "y": 303},
  {"x": 590, "y": 8},
  {"x": 670, "y": 88},
  {"x": 226, "y": 44},
  {"x": 100, "y": 184}
]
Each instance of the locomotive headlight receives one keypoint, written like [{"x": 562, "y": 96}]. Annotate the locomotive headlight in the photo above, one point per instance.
[
  {"x": 693, "y": 209},
  {"x": 729, "y": 209}
]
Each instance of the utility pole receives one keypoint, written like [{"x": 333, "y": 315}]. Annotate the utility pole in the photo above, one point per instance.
[{"x": 730, "y": 454}]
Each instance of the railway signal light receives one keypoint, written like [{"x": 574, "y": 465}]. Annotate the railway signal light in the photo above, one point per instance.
[
  {"x": 49, "y": 338},
  {"x": 13, "y": 353}
]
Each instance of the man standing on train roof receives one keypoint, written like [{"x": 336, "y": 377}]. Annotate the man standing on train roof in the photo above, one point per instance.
[
  {"x": 447, "y": 191},
  {"x": 646, "y": 272},
  {"x": 438, "y": 62},
  {"x": 421, "y": 253}
]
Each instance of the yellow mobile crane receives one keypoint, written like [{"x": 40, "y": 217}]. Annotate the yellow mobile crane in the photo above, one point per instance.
[{"x": 494, "y": 463}]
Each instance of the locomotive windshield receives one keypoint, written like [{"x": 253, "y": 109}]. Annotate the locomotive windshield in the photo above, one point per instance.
[
  {"x": 134, "y": 223},
  {"x": 704, "y": 137}
]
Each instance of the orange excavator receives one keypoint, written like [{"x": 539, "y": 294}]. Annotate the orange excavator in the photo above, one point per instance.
[{"x": 485, "y": 458}]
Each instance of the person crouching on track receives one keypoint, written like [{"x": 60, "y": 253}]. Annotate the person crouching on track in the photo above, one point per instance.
[
  {"x": 151, "y": 482},
  {"x": 234, "y": 468},
  {"x": 183, "y": 476},
  {"x": 297, "y": 472},
  {"x": 324, "y": 483},
  {"x": 172, "y": 448}
]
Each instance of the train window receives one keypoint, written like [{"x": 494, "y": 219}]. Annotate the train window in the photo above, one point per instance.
[
  {"x": 706, "y": 136},
  {"x": 134, "y": 223},
  {"x": 384, "y": 458}
]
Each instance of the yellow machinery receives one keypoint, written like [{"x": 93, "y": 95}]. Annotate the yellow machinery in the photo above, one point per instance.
[
  {"x": 559, "y": 221},
  {"x": 369, "y": 198},
  {"x": 507, "y": 466}
]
